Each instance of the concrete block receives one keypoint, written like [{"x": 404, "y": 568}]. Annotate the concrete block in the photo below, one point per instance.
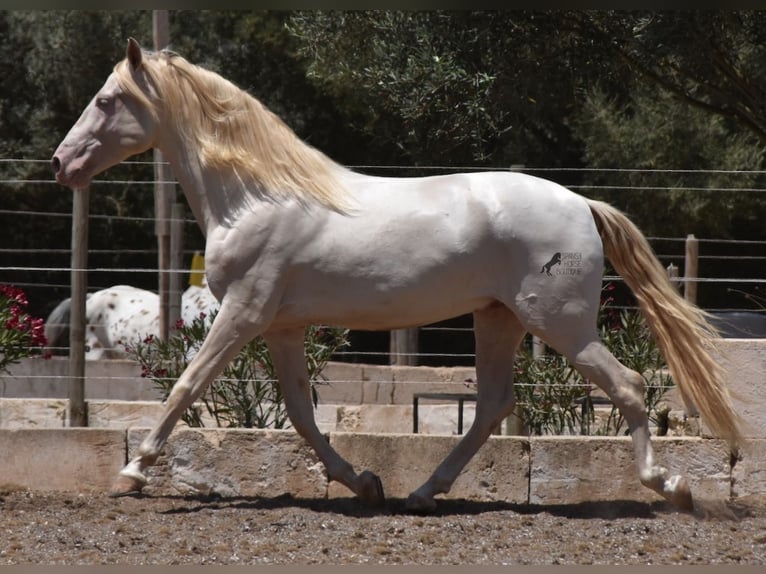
[
  {"x": 326, "y": 417},
  {"x": 234, "y": 462},
  {"x": 432, "y": 419},
  {"x": 374, "y": 418},
  {"x": 340, "y": 392},
  {"x": 33, "y": 413},
  {"x": 345, "y": 372},
  {"x": 342, "y": 384},
  {"x": 745, "y": 361},
  {"x": 498, "y": 472},
  {"x": 377, "y": 392},
  {"x": 567, "y": 470},
  {"x": 108, "y": 379},
  {"x": 120, "y": 380},
  {"x": 124, "y": 414},
  {"x": 53, "y": 413},
  {"x": 69, "y": 460},
  {"x": 749, "y": 472},
  {"x": 435, "y": 375},
  {"x": 378, "y": 373}
]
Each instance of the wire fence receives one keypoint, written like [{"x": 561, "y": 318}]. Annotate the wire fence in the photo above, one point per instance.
[{"x": 45, "y": 269}]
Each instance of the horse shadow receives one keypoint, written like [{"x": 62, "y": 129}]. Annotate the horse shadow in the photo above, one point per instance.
[{"x": 352, "y": 507}]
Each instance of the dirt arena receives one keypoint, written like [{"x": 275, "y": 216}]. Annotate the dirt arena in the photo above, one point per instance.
[{"x": 72, "y": 529}]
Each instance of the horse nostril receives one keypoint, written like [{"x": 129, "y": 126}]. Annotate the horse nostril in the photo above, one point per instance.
[{"x": 55, "y": 164}]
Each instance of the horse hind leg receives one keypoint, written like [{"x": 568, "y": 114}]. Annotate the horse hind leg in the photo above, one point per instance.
[
  {"x": 498, "y": 333},
  {"x": 625, "y": 388}
]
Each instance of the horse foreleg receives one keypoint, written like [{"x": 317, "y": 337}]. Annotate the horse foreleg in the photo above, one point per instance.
[
  {"x": 498, "y": 334},
  {"x": 228, "y": 334},
  {"x": 287, "y": 354}
]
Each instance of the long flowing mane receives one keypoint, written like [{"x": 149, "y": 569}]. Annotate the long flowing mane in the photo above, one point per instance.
[{"x": 232, "y": 129}]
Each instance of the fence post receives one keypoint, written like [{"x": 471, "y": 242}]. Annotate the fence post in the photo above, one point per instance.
[
  {"x": 79, "y": 288},
  {"x": 404, "y": 347},
  {"x": 162, "y": 195},
  {"x": 176, "y": 263},
  {"x": 690, "y": 269},
  {"x": 672, "y": 272}
]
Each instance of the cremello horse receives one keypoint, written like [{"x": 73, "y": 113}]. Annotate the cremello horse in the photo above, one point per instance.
[
  {"x": 295, "y": 239},
  {"x": 117, "y": 316}
]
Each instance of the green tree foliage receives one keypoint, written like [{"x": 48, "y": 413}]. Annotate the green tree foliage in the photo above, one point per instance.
[
  {"x": 659, "y": 90},
  {"x": 713, "y": 60},
  {"x": 652, "y": 130},
  {"x": 695, "y": 102},
  {"x": 452, "y": 88},
  {"x": 691, "y": 99}
]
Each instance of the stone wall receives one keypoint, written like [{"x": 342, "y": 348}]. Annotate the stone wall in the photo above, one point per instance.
[
  {"x": 366, "y": 413},
  {"x": 239, "y": 462}
]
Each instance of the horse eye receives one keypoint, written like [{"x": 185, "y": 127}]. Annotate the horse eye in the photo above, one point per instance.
[{"x": 103, "y": 102}]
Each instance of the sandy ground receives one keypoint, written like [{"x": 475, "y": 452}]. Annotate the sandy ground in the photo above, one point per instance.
[{"x": 56, "y": 528}]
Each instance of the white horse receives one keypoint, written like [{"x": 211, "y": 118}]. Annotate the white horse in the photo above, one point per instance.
[
  {"x": 295, "y": 239},
  {"x": 118, "y": 316}
]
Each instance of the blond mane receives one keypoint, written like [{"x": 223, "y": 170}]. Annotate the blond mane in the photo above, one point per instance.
[{"x": 232, "y": 129}]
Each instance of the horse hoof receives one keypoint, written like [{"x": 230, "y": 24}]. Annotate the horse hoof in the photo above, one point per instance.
[
  {"x": 126, "y": 486},
  {"x": 681, "y": 495},
  {"x": 371, "y": 489},
  {"x": 419, "y": 504}
]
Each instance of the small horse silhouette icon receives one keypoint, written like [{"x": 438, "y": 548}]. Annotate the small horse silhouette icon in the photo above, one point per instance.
[{"x": 555, "y": 260}]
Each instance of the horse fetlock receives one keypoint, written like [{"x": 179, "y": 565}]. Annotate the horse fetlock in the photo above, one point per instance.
[
  {"x": 655, "y": 477},
  {"x": 678, "y": 492},
  {"x": 147, "y": 456}
]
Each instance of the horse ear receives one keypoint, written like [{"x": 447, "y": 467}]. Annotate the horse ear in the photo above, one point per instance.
[{"x": 134, "y": 53}]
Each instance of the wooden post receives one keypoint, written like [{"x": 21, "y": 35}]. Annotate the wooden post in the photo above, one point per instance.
[
  {"x": 176, "y": 263},
  {"x": 690, "y": 269},
  {"x": 79, "y": 288},
  {"x": 672, "y": 271},
  {"x": 162, "y": 196},
  {"x": 514, "y": 423},
  {"x": 404, "y": 347}
]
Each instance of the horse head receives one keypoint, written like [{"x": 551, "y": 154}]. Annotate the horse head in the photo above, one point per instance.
[{"x": 118, "y": 122}]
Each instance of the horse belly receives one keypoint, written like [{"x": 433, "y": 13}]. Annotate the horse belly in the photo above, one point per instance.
[{"x": 409, "y": 295}]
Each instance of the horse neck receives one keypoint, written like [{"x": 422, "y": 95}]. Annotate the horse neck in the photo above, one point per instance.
[{"x": 215, "y": 197}]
